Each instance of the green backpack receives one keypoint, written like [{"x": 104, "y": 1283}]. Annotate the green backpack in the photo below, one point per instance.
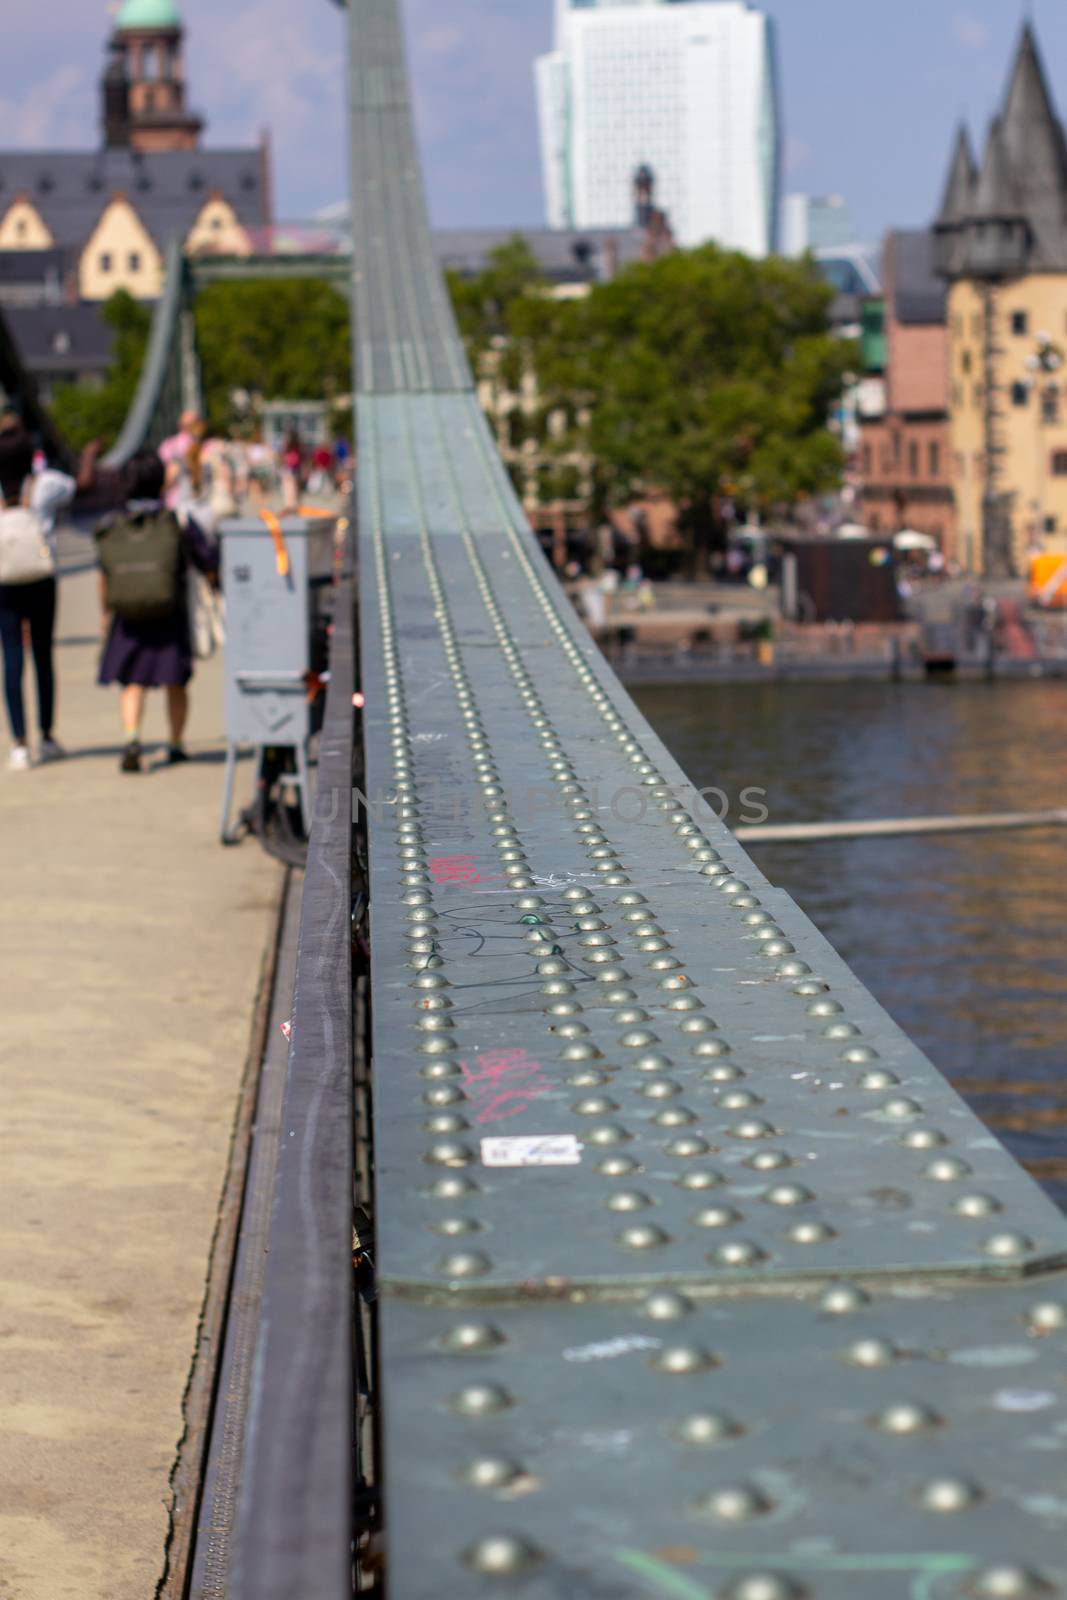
[{"x": 141, "y": 559}]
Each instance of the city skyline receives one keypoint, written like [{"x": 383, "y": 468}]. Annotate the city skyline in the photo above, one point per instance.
[
  {"x": 685, "y": 93},
  {"x": 869, "y": 104}
]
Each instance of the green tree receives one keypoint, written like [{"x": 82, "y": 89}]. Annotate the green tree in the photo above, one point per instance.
[
  {"x": 82, "y": 412},
  {"x": 485, "y": 304},
  {"x": 704, "y": 374},
  {"x": 281, "y": 340}
]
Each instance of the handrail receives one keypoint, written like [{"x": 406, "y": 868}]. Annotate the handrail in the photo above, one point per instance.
[
  {"x": 293, "y": 1529},
  {"x": 163, "y": 365}
]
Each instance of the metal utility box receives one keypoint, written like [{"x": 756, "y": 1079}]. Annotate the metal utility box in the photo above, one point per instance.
[{"x": 277, "y": 592}]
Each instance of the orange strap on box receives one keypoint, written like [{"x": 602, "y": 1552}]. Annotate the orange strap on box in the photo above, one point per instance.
[{"x": 281, "y": 551}]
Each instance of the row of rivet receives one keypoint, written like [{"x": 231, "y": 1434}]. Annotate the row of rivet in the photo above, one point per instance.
[
  {"x": 738, "y": 1502},
  {"x": 820, "y": 1005},
  {"x": 765, "y": 930}
]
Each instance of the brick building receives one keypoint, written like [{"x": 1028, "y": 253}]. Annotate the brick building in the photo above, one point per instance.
[{"x": 904, "y": 454}]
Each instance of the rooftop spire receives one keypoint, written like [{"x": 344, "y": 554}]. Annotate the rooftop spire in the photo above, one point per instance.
[{"x": 962, "y": 177}]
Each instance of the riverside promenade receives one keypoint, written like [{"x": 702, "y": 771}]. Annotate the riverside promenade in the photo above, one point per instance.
[{"x": 132, "y": 949}]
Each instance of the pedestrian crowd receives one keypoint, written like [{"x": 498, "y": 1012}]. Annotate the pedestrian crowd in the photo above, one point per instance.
[{"x": 155, "y": 524}]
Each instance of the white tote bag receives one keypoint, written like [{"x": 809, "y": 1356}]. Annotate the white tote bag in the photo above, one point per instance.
[{"x": 25, "y": 555}]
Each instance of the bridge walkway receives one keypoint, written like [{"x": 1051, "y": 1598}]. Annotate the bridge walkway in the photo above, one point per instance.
[{"x": 130, "y": 953}]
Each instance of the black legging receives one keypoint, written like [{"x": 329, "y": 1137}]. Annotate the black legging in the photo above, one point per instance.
[{"x": 34, "y": 603}]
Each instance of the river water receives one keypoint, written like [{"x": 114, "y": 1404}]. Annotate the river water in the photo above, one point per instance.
[{"x": 962, "y": 939}]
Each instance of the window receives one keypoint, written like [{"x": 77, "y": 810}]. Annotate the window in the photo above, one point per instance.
[
  {"x": 60, "y": 342},
  {"x": 913, "y": 459},
  {"x": 105, "y": 262},
  {"x": 1050, "y": 405},
  {"x": 866, "y": 458},
  {"x": 896, "y": 449},
  {"x": 134, "y": 261},
  {"x": 1059, "y": 463},
  {"x": 1020, "y": 394},
  {"x": 933, "y": 457},
  {"x": 1050, "y": 524},
  {"x": 966, "y": 361},
  {"x": 1020, "y": 322}
]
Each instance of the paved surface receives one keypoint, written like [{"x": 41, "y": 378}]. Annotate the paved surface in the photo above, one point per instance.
[{"x": 130, "y": 954}]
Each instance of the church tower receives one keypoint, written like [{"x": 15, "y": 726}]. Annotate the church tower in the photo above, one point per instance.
[{"x": 144, "y": 105}]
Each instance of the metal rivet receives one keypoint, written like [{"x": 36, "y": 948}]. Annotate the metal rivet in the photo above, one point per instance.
[
  {"x": 455, "y": 1227},
  {"x": 765, "y": 1586},
  {"x": 653, "y": 1061},
  {"x": 707, "y": 1428},
  {"x": 701, "y": 1180},
  {"x": 1048, "y": 1317},
  {"x": 691, "y": 1146},
  {"x": 717, "y": 1217},
  {"x": 709, "y": 1048},
  {"x": 447, "y": 1095},
  {"x": 948, "y": 1495},
  {"x": 843, "y": 1299},
  {"x": 879, "y": 1080},
  {"x": 607, "y": 1133},
  {"x": 638, "y": 1039},
  {"x": 769, "y": 1161},
  {"x": 1009, "y": 1583},
  {"x": 737, "y": 1253},
  {"x": 871, "y": 1353},
  {"x": 1007, "y": 1246},
  {"x": 753, "y": 1128},
  {"x": 737, "y": 1504},
  {"x": 481, "y": 1399},
  {"x": 501, "y": 1555},
  {"x": 901, "y": 1108},
  {"x": 492, "y": 1472},
  {"x": 645, "y": 1237},
  {"x": 789, "y": 1194},
  {"x": 580, "y": 1050},
  {"x": 924, "y": 1139},
  {"x": 449, "y": 1153},
  {"x": 617, "y": 1166},
  {"x": 447, "y": 1122},
  {"x": 466, "y": 1264},
  {"x": 679, "y": 1360},
  {"x": 812, "y": 1233},
  {"x": 438, "y": 1070},
  {"x": 628, "y": 1200},
  {"x": 675, "y": 1117},
  {"x": 977, "y": 1205},
  {"x": 824, "y": 1008},
  {"x": 596, "y": 1105},
  {"x": 452, "y": 1188},
  {"x": 907, "y": 1418},
  {"x": 859, "y": 1054},
  {"x": 472, "y": 1338},
  {"x": 667, "y": 1306},
  {"x": 740, "y": 1100},
  {"x": 661, "y": 1089}
]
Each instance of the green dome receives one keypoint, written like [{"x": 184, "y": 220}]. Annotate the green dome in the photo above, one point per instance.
[{"x": 138, "y": 14}]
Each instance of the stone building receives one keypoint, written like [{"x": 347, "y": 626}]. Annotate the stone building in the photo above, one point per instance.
[
  {"x": 904, "y": 451},
  {"x": 114, "y": 210},
  {"x": 1002, "y": 246}
]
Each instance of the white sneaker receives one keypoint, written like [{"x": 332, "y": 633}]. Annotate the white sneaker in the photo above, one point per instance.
[
  {"x": 51, "y": 750},
  {"x": 19, "y": 759}
]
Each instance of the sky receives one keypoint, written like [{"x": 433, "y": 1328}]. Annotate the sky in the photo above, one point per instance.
[{"x": 871, "y": 91}]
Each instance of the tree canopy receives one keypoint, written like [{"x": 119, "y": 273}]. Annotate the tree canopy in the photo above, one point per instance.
[
  {"x": 705, "y": 373},
  {"x": 83, "y": 413},
  {"x": 285, "y": 339}
]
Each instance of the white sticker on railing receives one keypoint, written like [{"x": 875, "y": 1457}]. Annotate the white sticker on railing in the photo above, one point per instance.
[{"x": 547, "y": 1150}]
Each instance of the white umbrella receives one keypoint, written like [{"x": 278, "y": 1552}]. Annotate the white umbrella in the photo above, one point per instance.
[{"x": 911, "y": 539}]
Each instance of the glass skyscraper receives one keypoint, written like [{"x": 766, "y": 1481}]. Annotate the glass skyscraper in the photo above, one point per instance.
[{"x": 686, "y": 87}]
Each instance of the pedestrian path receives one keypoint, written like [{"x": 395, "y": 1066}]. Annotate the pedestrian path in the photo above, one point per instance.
[{"x": 131, "y": 949}]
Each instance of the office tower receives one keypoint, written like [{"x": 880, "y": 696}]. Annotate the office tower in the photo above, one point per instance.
[{"x": 686, "y": 88}]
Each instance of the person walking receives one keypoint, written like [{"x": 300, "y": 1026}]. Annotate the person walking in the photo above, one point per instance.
[
  {"x": 30, "y": 507},
  {"x": 145, "y": 556}
]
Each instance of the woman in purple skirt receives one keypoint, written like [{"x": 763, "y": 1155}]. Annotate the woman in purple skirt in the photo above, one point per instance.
[{"x": 156, "y": 653}]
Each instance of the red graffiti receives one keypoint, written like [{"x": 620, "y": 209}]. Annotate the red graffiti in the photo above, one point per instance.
[
  {"x": 492, "y": 1082},
  {"x": 454, "y": 869}
]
